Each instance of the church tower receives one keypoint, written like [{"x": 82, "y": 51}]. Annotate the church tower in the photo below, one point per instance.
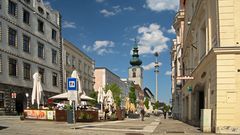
[{"x": 135, "y": 72}]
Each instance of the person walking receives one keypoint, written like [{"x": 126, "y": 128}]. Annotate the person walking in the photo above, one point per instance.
[{"x": 142, "y": 114}]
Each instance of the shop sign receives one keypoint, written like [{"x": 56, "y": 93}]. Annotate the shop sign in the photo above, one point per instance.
[
  {"x": 36, "y": 114},
  {"x": 72, "y": 89},
  {"x": 50, "y": 115}
]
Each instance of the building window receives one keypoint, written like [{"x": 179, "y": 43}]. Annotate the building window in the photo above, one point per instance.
[
  {"x": 54, "y": 56},
  {"x": 40, "y": 10},
  {"x": 47, "y": 15},
  {"x": 0, "y": 31},
  {"x": 1, "y": 100},
  {"x": 134, "y": 72},
  {"x": 26, "y": 71},
  {"x": 12, "y": 67},
  {"x": 0, "y": 63},
  {"x": 26, "y": 16},
  {"x": 40, "y": 50},
  {"x": 26, "y": 43},
  {"x": 54, "y": 34},
  {"x": 73, "y": 61},
  {"x": 54, "y": 79},
  {"x": 68, "y": 59},
  {"x": 79, "y": 64},
  {"x": 12, "y": 8},
  {"x": 41, "y": 72},
  {"x": 40, "y": 26},
  {"x": 12, "y": 37}
]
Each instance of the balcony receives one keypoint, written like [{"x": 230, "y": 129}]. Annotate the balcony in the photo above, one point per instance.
[{"x": 179, "y": 17}]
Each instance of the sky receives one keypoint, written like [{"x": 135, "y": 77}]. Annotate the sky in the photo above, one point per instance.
[{"x": 106, "y": 29}]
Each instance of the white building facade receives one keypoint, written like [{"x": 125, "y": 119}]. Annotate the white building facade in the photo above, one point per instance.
[{"x": 30, "y": 42}]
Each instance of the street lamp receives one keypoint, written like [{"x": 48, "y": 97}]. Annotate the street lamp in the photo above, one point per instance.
[
  {"x": 27, "y": 95},
  {"x": 156, "y": 54}
]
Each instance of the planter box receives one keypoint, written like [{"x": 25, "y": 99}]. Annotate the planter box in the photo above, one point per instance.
[
  {"x": 133, "y": 116},
  {"x": 61, "y": 115},
  {"x": 120, "y": 114},
  {"x": 86, "y": 116}
]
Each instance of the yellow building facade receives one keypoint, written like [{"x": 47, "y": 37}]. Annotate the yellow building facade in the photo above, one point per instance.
[{"x": 211, "y": 54}]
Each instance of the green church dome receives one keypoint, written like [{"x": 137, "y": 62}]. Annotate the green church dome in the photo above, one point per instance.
[{"x": 135, "y": 61}]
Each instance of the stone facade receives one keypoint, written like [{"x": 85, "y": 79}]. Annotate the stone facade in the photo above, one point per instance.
[
  {"x": 210, "y": 54},
  {"x": 74, "y": 58},
  {"x": 29, "y": 37}
]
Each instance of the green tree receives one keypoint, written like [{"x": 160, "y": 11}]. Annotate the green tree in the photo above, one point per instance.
[
  {"x": 116, "y": 91},
  {"x": 157, "y": 105},
  {"x": 132, "y": 95},
  {"x": 93, "y": 95},
  {"x": 146, "y": 103},
  {"x": 166, "y": 108}
]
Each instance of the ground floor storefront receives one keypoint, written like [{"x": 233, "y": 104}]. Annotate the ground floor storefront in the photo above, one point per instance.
[
  {"x": 215, "y": 89},
  {"x": 14, "y": 99}
]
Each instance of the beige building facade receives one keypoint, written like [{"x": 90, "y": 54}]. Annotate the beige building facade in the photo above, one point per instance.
[
  {"x": 210, "y": 54},
  {"x": 104, "y": 76},
  {"x": 74, "y": 58}
]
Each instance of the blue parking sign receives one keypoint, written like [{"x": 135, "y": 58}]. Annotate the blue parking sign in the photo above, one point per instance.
[{"x": 72, "y": 83}]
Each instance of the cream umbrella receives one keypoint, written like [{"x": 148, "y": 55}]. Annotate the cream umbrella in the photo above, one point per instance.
[
  {"x": 101, "y": 95},
  {"x": 37, "y": 89},
  {"x": 110, "y": 100},
  {"x": 79, "y": 88}
]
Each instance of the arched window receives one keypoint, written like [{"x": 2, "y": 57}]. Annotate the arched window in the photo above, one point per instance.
[
  {"x": 40, "y": 10},
  {"x": 133, "y": 72}
]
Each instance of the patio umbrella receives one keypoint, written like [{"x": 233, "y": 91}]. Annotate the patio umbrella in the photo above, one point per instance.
[
  {"x": 65, "y": 96},
  {"x": 37, "y": 89},
  {"x": 101, "y": 95},
  {"x": 79, "y": 88}
]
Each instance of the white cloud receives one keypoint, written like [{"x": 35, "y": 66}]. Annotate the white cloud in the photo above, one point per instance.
[
  {"x": 67, "y": 24},
  {"x": 150, "y": 66},
  {"x": 171, "y": 31},
  {"x": 100, "y": 47},
  {"x": 168, "y": 73},
  {"x": 100, "y": 1},
  {"x": 107, "y": 13},
  {"x": 161, "y": 5},
  {"x": 115, "y": 10},
  {"x": 128, "y": 8},
  {"x": 151, "y": 39}
]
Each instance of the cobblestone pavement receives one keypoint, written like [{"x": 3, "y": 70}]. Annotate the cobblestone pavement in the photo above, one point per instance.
[{"x": 12, "y": 125}]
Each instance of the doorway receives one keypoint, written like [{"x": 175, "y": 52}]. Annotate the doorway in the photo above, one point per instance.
[
  {"x": 200, "y": 103},
  {"x": 21, "y": 102}
]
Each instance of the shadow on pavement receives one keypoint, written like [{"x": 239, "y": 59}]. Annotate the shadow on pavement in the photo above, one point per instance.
[{"x": 2, "y": 127}]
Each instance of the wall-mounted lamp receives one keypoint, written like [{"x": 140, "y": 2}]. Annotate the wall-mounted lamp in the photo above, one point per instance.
[{"x": 189, "y": 22}]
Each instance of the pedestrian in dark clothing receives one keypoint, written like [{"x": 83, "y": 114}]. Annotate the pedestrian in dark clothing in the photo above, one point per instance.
[
  {"x": 165, "y": 114},
  {"x": 142, "y": 114}
]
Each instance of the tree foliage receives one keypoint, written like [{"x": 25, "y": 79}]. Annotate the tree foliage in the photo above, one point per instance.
[
  {"x": 157, "y": 105},
  {"x": 166, "y": 108},
  {"x": 146, "y": 103},
  {"x": 116, "y": 91},
  {"x": 93, "y": 95},
  {"x": 132, "y": 95}
]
